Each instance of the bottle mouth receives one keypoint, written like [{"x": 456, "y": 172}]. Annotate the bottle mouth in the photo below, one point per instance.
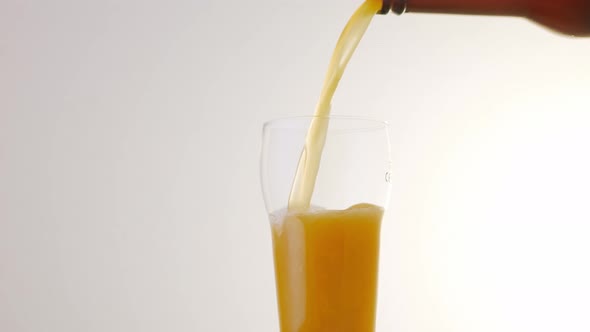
[
  {"x": 399, "y": 6},
  {"x": 396, "y": 6},
  {"x": 385, "y": 8}
]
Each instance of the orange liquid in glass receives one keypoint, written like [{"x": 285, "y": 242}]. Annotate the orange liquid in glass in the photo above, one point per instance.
[{"x": 326, "y": 265}]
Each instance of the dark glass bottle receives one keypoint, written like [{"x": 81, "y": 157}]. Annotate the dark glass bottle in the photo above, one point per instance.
[{"x": 571, "y": 17}]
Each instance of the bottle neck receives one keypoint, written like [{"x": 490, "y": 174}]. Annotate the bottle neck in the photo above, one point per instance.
[{"x": 469, "y": 7}]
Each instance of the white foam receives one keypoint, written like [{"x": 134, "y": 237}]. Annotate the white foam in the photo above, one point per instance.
[{"x": 278, "y": 216}]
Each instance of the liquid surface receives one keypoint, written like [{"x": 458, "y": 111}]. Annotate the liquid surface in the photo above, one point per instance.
[
  {"x": 309, "y": 162},
  {"x": 326, "y": 265}
]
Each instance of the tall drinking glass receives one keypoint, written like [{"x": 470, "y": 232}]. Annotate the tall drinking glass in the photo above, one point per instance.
[{"x": 326, "y": 257}]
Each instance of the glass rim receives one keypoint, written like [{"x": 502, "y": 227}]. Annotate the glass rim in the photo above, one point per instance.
[{"x": 275, "y": 122}]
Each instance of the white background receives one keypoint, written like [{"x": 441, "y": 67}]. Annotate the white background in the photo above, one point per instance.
[{"x": 129, "y": 139}]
